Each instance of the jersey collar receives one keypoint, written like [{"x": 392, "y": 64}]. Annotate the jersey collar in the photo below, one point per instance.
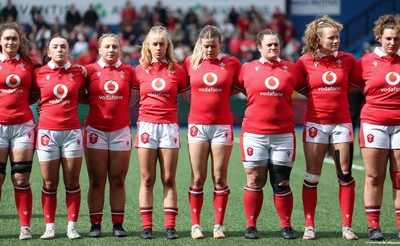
[
  {"x": 219, "y": 57},
  {"x": 53, "y": 66},
  {"x": 379, "y": 52},
  {"x": 263, "y": 60},
  {"x": 155, "y": 60},
  {"x": 103, "y": 64},
  {"x": 3, "y": 58},
  {"x": 321, "y": 55}
]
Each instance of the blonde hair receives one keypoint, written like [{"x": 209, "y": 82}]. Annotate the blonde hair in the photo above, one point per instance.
[
  {"x": 109, "y": 35},
  {"x": 391, "y": 21},
  {"x": 208, "y": 32},
  {"x": 146, "y": 58},
  {"x": 314, "y": 30}
]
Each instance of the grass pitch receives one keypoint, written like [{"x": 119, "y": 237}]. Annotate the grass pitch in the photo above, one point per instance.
[{"x": 328, "y": 220}]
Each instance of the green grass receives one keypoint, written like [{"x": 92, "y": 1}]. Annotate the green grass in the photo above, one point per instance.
[{"x": 328, "y": 221}]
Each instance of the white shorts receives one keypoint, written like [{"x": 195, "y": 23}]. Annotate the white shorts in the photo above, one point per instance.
[
  {"x": 20, "y": 136},
  {"x": 215, "y": 134},
  {"x": 328, "y": 133},
  {"x": 259, "y": 149},
  {"x": 52, "y": 144},
  {"x": 154, "y": 136},
  {"x": 119, "y": 140},
  {"x": 381, "y": 137}
]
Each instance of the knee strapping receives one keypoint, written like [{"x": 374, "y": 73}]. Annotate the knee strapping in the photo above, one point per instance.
[
  {"x": 279, "y": 174},
  {"x": 395, "y": 176},
  {"x": 312, "y": 178},
  {"x": 341, "y": 176},
  {"x": 3, "y": 168},
  {"x": 21, "y": 167}
]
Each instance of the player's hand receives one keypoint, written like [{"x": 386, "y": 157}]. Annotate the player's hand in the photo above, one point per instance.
[
  {"x": 39, "y": 109},
  {"x": 84, "y": 71}
]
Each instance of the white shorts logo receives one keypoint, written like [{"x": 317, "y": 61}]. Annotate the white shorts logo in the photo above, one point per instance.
[
  {"x": 158, "y": 84},
  {"x": 210, "y": 79},
  {"x": 329, "y": 78},
  {"x": 392, "y": 78},
  {"x": 60, "y": 91},
  {"x": 272, "y": 82},
  {"x": 111, "y": 87},
  {"x": 13, "y": 80}
]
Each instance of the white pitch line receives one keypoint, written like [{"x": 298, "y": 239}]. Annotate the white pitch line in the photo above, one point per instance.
[
  {"x": 326, "y": 160},
  {"x": 383, "y": 242},
  {"x": 355, "y": 166}
]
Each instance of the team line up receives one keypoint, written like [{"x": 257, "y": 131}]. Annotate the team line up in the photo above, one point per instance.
[{"x": 207, "y": 79}]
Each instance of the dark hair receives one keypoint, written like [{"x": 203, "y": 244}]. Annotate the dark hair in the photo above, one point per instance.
[
  {"x": 386, "y": 22},
  {"x": 46, "y": 58},
  {"x": 265, "y": 32},
  {"x": 23, "y": 49}
]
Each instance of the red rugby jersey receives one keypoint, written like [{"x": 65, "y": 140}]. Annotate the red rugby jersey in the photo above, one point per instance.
[
  {"x": 108, "y": 93},
  {"x": 211, "y": 85},
  {"x": 379, "y": 77},
  {"x": 269, "y": 88},
  {"x": 327, "y": 83},
  {"x": 158, "y": 92},
  {"x": 59, "y": 88},
  {"x": 15, "y": 82}
]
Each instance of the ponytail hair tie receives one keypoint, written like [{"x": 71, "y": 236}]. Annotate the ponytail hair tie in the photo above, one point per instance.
[
  {"x": 209, "y": 26},
  {"x": 390, "y": 20}
]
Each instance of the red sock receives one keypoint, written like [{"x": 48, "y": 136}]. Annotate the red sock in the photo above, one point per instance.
[
  {"x": 253, "y": 201},
  {"x": 346, "y": 199},
  {"x": 73, "y": 201},
  {"x": 117, "y": 217},
  {"x": 373, "y": 214},
  {"x": 398, "y": 218},
  {"x": 96, "y": 217},
  {"x": 23, "y": 201},
  {"x": 284, "y": 206},
  {"x": 147, "y": 217},
  {"x": 220, "y": 201},
  {"x": 49, "y": 205},
  {"x": 310, "y": 197},
  {"x": 196, "y": 197},
  {"x": 170, "y": 216}
]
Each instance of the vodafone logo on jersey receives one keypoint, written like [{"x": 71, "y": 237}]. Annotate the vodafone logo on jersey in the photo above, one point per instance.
[
  {"x": 272, "y": 82},
  {"x": 13, "y": 80},
  {"x": 392, "y": 78},
  {"x": 329, "y": 78},
  {"x": 158, "y": 84},
  {"x": 210, "y": 79},
  {"x": 111, "y": 87},
  {"x": 60, "y": 91}
]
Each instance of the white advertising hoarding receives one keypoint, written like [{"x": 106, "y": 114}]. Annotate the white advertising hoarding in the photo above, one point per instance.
[
  {"x": 109, "y": 10},
  {"x": 315, "y": 7}
]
